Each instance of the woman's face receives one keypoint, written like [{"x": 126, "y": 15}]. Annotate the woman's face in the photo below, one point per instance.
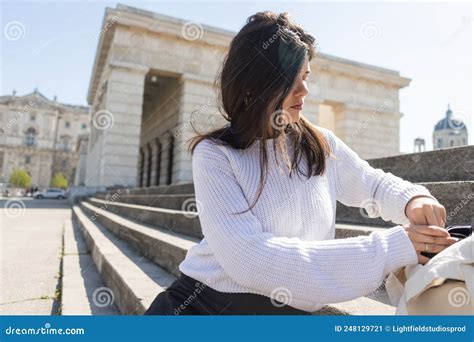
[{"x": 294, "y": 102}]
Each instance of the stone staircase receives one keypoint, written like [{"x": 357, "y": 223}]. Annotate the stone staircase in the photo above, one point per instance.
[
  {"x": 135, "y": 239},
  {"x": 447, "y": 173}
]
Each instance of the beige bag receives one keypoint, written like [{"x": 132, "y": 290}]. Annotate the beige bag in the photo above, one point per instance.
[{"x": 443, "y": 286}]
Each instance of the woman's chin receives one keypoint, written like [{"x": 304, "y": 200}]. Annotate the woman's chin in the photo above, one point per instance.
[{"x": 295, "y": 114}]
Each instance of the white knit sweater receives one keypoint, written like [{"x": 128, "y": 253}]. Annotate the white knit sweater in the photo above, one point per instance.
[{"x": 285, "y": 247}]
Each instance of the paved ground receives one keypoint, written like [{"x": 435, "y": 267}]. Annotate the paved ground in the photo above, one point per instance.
[{"x": 30, "y": 251}]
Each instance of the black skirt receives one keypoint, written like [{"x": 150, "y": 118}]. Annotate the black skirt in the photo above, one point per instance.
[{"x": 188, "y": 296}]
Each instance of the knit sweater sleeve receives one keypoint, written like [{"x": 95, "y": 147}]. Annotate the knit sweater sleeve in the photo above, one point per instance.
[
  {"x": 358, "y": 184},
  {"x": 318, "y": 272}
]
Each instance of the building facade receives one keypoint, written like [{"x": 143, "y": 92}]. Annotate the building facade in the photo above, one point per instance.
[
  {"x": 449, "y": 132},
  {"x": 39, "y": 135},
  {"x": 153, "y": 79}
]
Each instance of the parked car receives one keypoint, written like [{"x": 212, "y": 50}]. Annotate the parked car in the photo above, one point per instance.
[{"x": 50, "y": 193}]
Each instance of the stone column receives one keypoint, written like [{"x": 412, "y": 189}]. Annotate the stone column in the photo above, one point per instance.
[
  {"x": 140, "y": 168},
  {"x": 198, "y": 109},
  {"x": 146, "y": 165},
  {"x": 121, "y": 135},
  {"x": 311, "y": 110},
  {"x": 156, "y": 169},
  {"x": 152, "y": 171},
  {"x": 167, "y": 158},
  {"x": 150, "y": 165},
  {"x": 371, "y": 132}
]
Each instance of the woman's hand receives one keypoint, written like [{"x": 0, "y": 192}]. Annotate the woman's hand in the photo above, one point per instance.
[
  {"x": 426, "y": 229},
  {"x": 428, "y": 238},
  {"x": 426, "y": 211}
]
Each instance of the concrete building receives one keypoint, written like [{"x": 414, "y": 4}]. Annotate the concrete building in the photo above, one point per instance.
[
  {"x": 152, "y": 78},
  {"x": 449, "y": 132},
  {"x": 38, "y": 134}
]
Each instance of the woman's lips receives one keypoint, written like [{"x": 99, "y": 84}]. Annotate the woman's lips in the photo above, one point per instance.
[{"x": 299, "y": 107}]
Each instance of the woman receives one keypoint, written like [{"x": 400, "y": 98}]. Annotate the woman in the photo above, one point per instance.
[{"x": 266, "y": 187}]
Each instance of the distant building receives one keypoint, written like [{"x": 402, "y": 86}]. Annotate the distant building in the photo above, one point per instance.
[
  {"x": 449, "y": 132},
  {"x": 419, "y": 145},
  {"x": 39, "y": 135}
]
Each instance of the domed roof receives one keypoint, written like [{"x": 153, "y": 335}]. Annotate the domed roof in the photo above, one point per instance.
[{"x": 450, "y": 122}]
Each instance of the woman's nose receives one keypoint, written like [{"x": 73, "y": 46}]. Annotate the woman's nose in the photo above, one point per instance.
[{"x": 300, "y": 89}]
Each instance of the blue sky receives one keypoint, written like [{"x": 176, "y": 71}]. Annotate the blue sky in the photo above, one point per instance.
[{"x": 431, "y": 43}]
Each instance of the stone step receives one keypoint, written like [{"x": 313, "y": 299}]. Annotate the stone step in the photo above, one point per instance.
[
  {"x": 185, "y": 202},
  {"x": 448, "y": 164},
  {"x": 362, "y": 306},
  {"x": 164, "y": 247},
  {"x": 132, "y": 280},
  {"x": 444, "y": 165},
  {"x": 137, "y": 213},
  {"x": 457, "y": 198},
  {"x": 172, "y": 189},
  {"x": 192, "y": 227},
  {"x": 185, "y": 222},
  {"x": 81, "y": 285},
  {"x": 168, "y": 249}
]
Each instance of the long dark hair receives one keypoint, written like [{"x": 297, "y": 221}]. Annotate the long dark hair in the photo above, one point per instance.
[{"x": 258, "y": 73}]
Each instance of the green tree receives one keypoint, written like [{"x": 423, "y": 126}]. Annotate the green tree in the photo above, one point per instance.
[
  {"x": 59, "y": 181},
  {"x": 20, "y": 178}
]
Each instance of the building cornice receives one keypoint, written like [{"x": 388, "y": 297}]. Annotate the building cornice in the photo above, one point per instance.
[
  {"x": 36, "y": 98},
  {"x": 149, "y": 21}
]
